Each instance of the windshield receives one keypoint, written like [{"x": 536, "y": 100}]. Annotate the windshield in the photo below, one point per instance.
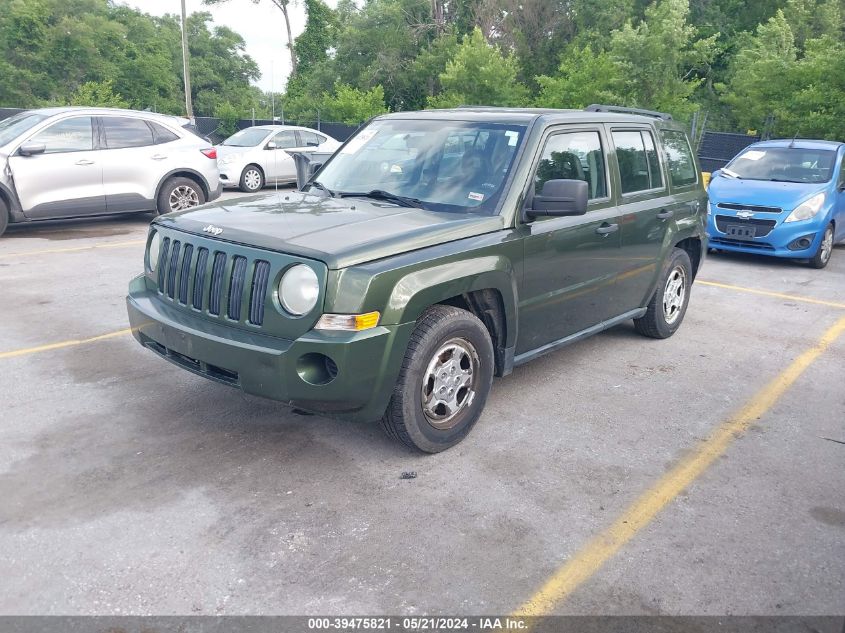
[
  {"x": 249, "y": 137},
  {"x": 16, "y": 125},
  {"x": 783, "y": 164},
  {"x": 453, "y": 166}
]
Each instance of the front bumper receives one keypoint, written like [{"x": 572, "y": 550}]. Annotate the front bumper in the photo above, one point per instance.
[
  {"x": 230, "y": 174},
  {"x": 365, "y": 364},
  {"x": 795, "y": 240}
]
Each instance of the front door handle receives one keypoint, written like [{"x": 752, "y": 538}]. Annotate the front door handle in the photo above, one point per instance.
[
  {"x": 607, "y": 229},
  {"x": 83, "y": 163},
  {"x": 666, "y": 214},
  {"x": 158, "y": 157}
]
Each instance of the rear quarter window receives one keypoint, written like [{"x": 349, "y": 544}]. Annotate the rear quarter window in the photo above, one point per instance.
[{"x": 679, "y": 156}]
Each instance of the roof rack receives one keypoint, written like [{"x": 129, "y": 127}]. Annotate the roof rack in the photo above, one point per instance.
[{"x": 622, "y": 110}]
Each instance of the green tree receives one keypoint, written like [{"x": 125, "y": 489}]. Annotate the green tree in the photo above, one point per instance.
[
  {"x": 583, "y": 77},
  {"x": 319, "y": 36},
  {"x": 98, "y": 94},
  {"x": 662, "y": 61},
  {"x": 480, "y": 74},
  {"x": 229, "y": 117},
  {"x": 352, "y": 106}
]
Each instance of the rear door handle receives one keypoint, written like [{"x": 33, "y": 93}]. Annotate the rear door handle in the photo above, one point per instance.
[
  {"x": 83, "y": 163},
  {"x": 665, "y": 214},
  {"x": 158, "y": 157},
  {"x": 607, "y": 229}
]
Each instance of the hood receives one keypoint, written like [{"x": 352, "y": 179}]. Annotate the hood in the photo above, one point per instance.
[
  {"x": 339, "y": 232},
  {"x": 786, "y": 195}
]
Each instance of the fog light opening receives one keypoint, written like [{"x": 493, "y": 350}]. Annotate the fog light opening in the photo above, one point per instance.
[
  {"x": 801, "y": 243},
  {"x": 316, "y": 369}
]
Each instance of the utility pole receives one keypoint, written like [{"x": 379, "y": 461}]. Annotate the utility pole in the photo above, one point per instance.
[{"x": 189, "y": 108}]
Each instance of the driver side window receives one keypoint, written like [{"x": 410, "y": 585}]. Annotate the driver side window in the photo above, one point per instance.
[
  {"x": 574, "y": 156},
  {"x": 69, "y": 135}
]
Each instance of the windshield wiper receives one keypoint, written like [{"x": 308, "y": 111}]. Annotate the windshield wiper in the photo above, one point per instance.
[
  {"x": 321, "y": 187},
  {"x": 783, "y": 180},
  {"x": 378, "y": 194}
]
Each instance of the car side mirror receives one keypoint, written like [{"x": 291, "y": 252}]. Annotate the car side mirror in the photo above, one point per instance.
[
  {"x": 31, "y": 149},
  {"x": 271, "y": 145},
  {"x": 560, "y": 198},
  {"x": 313, "y": 168}
]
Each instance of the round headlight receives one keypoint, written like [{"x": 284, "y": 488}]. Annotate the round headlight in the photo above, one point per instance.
[
  {"x": 155, "y": 249},
  {"x": 299, "y": 289}
]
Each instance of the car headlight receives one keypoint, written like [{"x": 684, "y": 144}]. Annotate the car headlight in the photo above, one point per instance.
[
  {"x": 154, "y": 251},
  {"x": 299, "y": 289},
  {"x": 807, "y": 209}
]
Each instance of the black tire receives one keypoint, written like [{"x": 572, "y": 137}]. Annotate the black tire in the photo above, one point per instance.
[
  {"x": 186, "y": 190},
  {"x": 252, "y": 179},
  {"x": 4, "y": 216},
  {"x": 663, "y": 322},
  {"x": 439, "y": 329},
  {"x": 825, "y": 250}
]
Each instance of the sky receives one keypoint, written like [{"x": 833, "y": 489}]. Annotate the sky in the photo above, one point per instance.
[{"x": 261, "y": 25}]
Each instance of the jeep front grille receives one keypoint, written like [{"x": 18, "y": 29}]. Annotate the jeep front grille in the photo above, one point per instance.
[{"x": 210, "y": 282}]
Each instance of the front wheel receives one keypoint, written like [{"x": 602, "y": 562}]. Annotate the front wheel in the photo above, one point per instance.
[
  {"x": 822, "y": 256},
  {"x": 665, "y": 312},
  {"x": 252, "y": 179},
  {"x": 444, "y": 381},
  {"x": 179, "y": 194},
  {"x": 4, "y": 216}
]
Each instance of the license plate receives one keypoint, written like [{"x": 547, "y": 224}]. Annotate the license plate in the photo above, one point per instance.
[{"x": 741, "y": 231}]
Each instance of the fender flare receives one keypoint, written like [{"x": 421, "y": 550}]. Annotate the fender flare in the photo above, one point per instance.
[
  {"x": 184, "y": 170},
  {"x": 413, "y": 293},
  {"x": 11, "y": 199}
]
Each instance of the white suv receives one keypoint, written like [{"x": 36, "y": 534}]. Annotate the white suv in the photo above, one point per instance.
[{"x": 77, "y": 162}]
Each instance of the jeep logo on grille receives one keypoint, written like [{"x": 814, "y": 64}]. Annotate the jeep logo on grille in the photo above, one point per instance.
[
  {"x": 212, "y": 229},
  {"x": 745, "y": 214}
]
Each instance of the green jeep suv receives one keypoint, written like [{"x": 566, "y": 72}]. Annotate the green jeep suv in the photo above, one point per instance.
[{"x": 431, "y": 252}]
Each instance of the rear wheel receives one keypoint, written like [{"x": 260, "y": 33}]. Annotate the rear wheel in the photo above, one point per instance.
[
  {"x": 665, "y": 312},
  {"x": 252, "y": 179},
  {"x": 444, "y": 381},
  {"x": 822, "y": 256},
  {"x": 178, "y": 194}
]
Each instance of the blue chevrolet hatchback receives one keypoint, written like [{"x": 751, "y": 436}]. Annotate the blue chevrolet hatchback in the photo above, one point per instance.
[{"x": 781, "y": 198}]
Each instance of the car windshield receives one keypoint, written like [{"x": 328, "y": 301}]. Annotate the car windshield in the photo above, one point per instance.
[
  {"x": 783, "y": 164},
  {"x": 451, "y": 166},
  {"x": 249, "y": 137},
  {"x": 16, "y": 125}
]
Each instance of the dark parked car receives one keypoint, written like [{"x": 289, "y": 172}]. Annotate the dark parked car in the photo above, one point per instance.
[{"x": 433, "y": 251}]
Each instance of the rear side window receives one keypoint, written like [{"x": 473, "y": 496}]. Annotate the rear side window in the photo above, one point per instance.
[
  {"x": 573, "y": 156},
  {"x": 124, "y": 132},
  {"x": 639, "y": 165},
  {"x": 161, "y": 133},
  {"x": 69, "y": 135},
  {"x": 681, "y": 163},
  {"x": 309, "y": 139}
]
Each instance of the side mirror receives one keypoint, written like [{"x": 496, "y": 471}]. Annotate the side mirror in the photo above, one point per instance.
[
  {"x": 271, "y": 145},
  {"x": 313, "y": 168},
  {"x": 560, "y": 198},
  {"x": 31, "y": 149}
]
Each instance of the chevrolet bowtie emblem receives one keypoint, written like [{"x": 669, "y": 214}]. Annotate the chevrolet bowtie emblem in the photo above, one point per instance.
[
  {"x": 213, "y": 230},
  {"x": 745, "y": 214}
]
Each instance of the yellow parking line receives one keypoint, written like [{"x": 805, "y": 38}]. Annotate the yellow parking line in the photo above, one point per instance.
[
  {"x": 590, "y": 558},
  {"x": 74, "y": 249},
  {"x": 766, "y": 293},
  {"x": 52, "y": 346}
]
